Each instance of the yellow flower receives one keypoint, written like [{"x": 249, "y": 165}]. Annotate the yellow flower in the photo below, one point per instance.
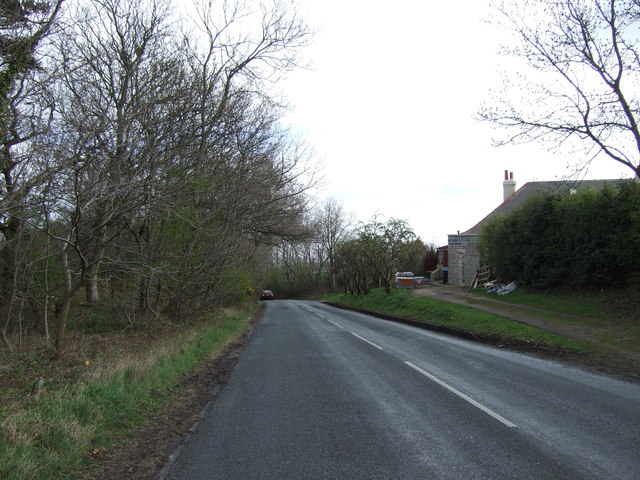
[{"x": 86, "y": 363}]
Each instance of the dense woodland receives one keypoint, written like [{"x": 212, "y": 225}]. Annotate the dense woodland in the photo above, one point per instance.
[{"x": 142, "y": 158}]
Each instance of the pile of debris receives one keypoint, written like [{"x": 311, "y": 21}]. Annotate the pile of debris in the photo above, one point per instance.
[{"x": 501, "y": 288}]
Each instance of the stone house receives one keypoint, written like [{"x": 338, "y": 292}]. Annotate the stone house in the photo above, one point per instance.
[{"x": 463, "y": 253}]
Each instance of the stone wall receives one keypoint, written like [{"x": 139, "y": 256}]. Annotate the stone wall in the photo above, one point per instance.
[{"x": 464, "y": 258}]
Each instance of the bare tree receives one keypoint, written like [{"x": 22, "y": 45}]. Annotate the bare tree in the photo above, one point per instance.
[
  {"x": 583, "y": 87},
  {"x": 24, "y": 111},
  {"x": 331, "y": 226},
  {"x": 114, "y": 62},
  {"x": 235, "y": 52}
]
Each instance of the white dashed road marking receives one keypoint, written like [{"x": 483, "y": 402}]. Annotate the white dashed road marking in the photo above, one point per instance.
[
  {"x": 486, "y": 410},
  {"x": 365, "y": 340}
]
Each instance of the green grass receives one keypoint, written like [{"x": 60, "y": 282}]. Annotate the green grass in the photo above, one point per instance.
[
  {"x": 594, "y": 305},
  {"x": 484, "y": 325},
  {"x": 51, "y": 436}
]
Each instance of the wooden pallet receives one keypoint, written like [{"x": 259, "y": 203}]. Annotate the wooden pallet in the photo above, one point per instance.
[{"x": 482, "y": 276}]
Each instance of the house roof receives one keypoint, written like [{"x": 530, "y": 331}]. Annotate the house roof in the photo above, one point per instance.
[{"x": 530, "y": 189}]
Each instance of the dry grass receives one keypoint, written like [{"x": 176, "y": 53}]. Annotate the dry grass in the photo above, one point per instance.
[{"x": 95, "y": 392}]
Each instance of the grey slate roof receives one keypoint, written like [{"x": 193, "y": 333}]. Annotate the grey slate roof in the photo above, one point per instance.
[{"x": 530, "y": 189}]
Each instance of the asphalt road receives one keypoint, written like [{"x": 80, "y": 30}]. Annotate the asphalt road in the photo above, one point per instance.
[{"x": 322, "y": 393}]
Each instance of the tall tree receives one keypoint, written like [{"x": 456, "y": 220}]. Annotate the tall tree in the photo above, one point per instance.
[
  {"x": 115, "y": 61},
  {"x": 235, "y": 53},
  {"x": 331, "y": 225},
  {"x": 582, "y": 89},
  {"x": 23, "y": 27},
  {"x": 387, "y": 246},
  {"x": 25, "y": 113},
  {"x": 355, "y": 271}
]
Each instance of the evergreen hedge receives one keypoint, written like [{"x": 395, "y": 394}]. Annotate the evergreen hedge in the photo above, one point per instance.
[{"x": 582, "y": 240}]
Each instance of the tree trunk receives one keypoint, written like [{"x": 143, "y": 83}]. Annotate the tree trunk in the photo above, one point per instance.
[
  {"x": 45, "y": 307},
  {"x": 144, "y": 284},
  {"x": 6, "y": 341},
  {"x": 69, "y": 289},
  {"x": 92, "y": 293},
  {"x": 11, "y": 290},
  {"x": 63, "y": 312}
]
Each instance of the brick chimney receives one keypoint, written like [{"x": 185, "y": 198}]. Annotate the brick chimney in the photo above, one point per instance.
[{"x": 509, "y": 185}]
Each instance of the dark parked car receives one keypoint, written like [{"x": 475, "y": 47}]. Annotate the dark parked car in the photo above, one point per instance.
[{"x": 266, "y": 295}]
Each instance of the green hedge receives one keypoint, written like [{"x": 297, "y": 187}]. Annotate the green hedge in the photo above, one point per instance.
[{"x": 582, "y": 240}]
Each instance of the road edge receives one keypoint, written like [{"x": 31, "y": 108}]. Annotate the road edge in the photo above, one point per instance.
[
  {"x": 415, "y": 323},
  {"x": 233, "y": 356}
]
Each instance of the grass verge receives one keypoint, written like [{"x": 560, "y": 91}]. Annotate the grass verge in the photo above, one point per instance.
[
  {"x": 610, "y": 317},
  {"x": 594, "y": 305},
  {"x": 51, "y": 435},
  {"x": 483, "y": 325}
]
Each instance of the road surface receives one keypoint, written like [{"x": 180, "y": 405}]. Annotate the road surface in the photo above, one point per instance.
[{"x": 323, "y": 393}]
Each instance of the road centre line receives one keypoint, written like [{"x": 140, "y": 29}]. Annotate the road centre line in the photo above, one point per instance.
[
  {"x": 334, "y": 323},
  {"x": 365, "y": 340},
  {"x": 486, "y": 410}
]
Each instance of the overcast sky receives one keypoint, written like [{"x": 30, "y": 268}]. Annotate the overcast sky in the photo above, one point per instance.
[{"x": 388, "y": 107}]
